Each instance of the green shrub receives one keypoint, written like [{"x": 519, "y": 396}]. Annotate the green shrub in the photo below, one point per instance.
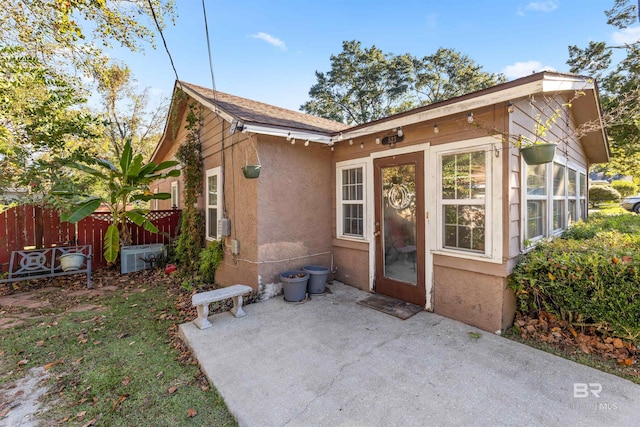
[
  {"x": 591, "y": 281},
  {"x": 210, "y": 259},
  {"x": 624, "y": 223},
  {"x": 602, "y": 193},
  {"x": 625, "y": 188}
]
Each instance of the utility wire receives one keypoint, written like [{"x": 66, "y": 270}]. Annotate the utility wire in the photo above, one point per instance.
[
  {"x": 206, "y": 29},
  {"x": 155, "y": 19}
]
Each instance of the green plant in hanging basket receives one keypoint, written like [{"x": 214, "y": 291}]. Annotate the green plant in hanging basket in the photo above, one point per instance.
[
  {"x": 539, "y": 153},
  {"x": 251, "y": 171}
]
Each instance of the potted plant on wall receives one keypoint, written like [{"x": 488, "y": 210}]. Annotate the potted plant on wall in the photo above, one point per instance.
[
  {"x": 538, "y": 150},
  {"x": 251, "y": 171}
]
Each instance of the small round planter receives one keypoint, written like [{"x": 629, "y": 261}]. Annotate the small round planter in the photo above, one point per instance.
[
  {"x": 538, "y": 154},
  {"x": 294, "y": 285},
  {"x": 251, "y": 171},
  {"x": 71, "y": 261},
  {"x": 317, "y": 278}
]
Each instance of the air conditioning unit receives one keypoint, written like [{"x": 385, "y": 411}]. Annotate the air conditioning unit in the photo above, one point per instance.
[{"x": 139, "y": 257}]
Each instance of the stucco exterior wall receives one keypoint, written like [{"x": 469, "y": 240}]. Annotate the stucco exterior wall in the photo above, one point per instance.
[
  {"x": 294, "y": 206},
  {"x": 352, "y": 263},
  {"x": 474, "y": 298}
]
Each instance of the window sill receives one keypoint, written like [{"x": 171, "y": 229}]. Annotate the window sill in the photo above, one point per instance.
[{"x": 470, "y": 256}]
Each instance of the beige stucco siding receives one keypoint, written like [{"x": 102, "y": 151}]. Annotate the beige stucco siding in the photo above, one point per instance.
[
  {"x": 473, "y": 298},
  {"x": 294, "y": 206}
]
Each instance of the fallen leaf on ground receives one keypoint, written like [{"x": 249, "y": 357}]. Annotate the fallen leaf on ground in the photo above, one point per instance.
[
  {"x": 90, "y": 423},
  {"x": 40, "y": 343},
  {"x": 23, "y": 362},
  {"x": 617, "y": 343},
  {"x": 80, "y": 415},
  {"x": 172, "y": 389},
  {"x": 52, "y": 364},
  {"x": 191, "y": 413},
  {"x": 126, "y": 381},
  {"x": 121, "y": 399},
  {"x": 160, "y": 374}
]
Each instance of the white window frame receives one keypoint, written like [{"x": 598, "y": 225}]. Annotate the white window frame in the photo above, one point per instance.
[
  {"x": 493, "y": 197},
  {"x": 561, "y": 198},
  {"x": 175, "y": 195},
  {"x": 217, "y": 171},
  {"x": 550, "y": 197},
  {"x": 340, "y": 167},
  {"x": 156, "y": 203}
]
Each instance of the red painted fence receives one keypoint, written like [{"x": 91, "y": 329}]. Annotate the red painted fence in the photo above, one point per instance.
[{"x": 29, "y": 226}]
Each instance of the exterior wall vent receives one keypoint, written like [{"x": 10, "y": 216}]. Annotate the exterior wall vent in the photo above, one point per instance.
[{"x": 140, "y": 257}]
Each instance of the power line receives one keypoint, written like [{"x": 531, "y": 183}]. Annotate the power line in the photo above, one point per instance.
[
  {"x": 206, "y": 29},
  {"x": 155, "y": 19}
]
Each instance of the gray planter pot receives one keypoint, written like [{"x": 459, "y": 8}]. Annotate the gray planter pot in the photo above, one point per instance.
[
  {"x": 294, "y": 285},
  {"x": 317, "y": 278}
]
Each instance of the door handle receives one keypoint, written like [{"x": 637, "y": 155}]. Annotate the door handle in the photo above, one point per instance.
[{"x": 377, "y": 233}]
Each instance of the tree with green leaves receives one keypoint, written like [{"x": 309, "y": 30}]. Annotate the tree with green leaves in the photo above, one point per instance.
[
  {"x": 367, "y": 84},
  {"x": 44, "y": 45},
  {"x": 127, "y": 113},
  {"x": 619, "y": 85},
  {"x": 41, "y": 119},
  {"x": 128, "y": 183}
]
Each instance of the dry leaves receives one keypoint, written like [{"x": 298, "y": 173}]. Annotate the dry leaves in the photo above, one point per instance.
[
  {"x": 172, "y": 389},
  {"x": 121, "y": 399},
  {"x": 52, "y": 364},
  {"x": 560, "y": 334},
  {"x": 191, "y": 413},
  {"x": 126, "y": 381}
]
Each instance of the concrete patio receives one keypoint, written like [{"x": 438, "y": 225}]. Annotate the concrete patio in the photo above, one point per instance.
[{"x": 332, "y": 362}]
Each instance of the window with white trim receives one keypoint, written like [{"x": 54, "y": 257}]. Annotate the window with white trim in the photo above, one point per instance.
[
  {"x": 559, "y": 197},
  {"x": 213, "y": 193},
  {"x": 175, "y": 195},
  {"x": 582, "y": 191},
  {"x": 555, "y": 198},
  {"x": 464, "y": 177},
  {"x": 350, "y": 196},
  {"x": 572, "y": 196}
]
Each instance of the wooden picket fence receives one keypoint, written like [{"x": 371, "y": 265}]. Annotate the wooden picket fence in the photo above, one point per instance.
[{"x": 31, "y": 226}]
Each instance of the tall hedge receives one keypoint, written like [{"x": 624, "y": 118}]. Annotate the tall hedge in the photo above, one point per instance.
[{"x": 593, "y": 281}]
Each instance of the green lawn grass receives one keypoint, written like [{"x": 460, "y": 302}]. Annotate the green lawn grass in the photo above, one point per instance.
[{"x": 117, "y": 365}]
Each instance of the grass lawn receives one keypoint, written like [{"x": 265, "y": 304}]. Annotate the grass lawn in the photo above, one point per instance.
[{"x": 117, "y": 363}]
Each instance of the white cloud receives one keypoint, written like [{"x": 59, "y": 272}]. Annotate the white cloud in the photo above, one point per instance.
[
  {"x": 538, "y": 6},
  {"x": 521, "y": 69},
  {"x": 274, "y": 41},
  {"x": 626, "y": 36}
]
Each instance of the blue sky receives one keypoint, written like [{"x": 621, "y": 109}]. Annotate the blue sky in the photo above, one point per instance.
[{"x": 269, "y": 50}]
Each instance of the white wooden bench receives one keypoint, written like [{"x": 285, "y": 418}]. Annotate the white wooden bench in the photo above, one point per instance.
[{"x": 202, "y": 300}]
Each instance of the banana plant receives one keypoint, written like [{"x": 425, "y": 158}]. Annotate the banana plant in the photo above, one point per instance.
[{"x": 128, "y": 182}]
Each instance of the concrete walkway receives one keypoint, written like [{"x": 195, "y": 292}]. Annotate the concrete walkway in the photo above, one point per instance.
[{"x": 332, "y": 362}]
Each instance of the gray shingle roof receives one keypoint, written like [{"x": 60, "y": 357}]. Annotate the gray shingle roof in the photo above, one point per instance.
[{"x": 259, "y": 113}]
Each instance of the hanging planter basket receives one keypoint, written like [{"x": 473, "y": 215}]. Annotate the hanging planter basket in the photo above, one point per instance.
[
  {"x": 538, "y": 154},
  {"x": 251, "y": 171}
]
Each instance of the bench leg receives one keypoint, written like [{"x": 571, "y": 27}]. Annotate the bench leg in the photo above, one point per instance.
[
  {"x": 203, "y": 312},
  {"x": 237, "y": 310}
]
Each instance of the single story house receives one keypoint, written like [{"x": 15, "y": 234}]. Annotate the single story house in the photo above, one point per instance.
[{"x": 433, "y": 206}]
